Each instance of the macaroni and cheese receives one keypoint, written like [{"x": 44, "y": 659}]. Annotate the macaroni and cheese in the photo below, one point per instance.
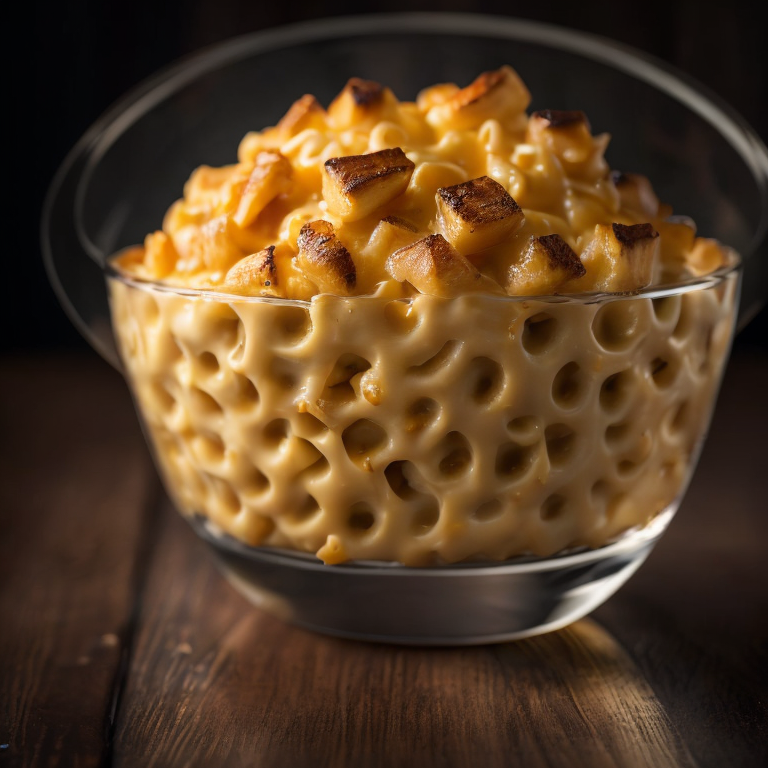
[{"x": 361, "y": 339}]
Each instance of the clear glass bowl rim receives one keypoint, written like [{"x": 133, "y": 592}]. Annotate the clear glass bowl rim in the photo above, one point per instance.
[{"x": 730, "y": 269}]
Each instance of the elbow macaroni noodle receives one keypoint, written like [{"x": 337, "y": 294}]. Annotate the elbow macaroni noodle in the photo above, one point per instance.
[{"x": 410, "y": 425}]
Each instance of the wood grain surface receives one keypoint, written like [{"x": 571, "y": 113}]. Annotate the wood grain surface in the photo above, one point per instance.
[
  {"x": 76, "y": 485},
  {"x": 122, "y": 645}
]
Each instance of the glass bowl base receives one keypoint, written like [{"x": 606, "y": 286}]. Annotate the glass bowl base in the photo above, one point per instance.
[{"x": 464, "y": 604}]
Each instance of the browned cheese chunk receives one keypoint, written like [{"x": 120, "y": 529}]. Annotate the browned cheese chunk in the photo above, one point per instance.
[
  {"x": 255, "y": 274},
  {"x": 304, "y": 113},
  {"x": 547, "y": 263},
  {"x": 477, "y": 214},
  {"x": 621, "y": 257},
  {"x": 325, "y": 260},
  {"x": 564, "y": 119},
  {"x": 434, "y": 267},
  {"x": 559, "y": 129},
  {"x": 357, "y": 185},
  {"x": 360, "y": 104},
  {"x": 498, "y": 94},
  {"x": 567, "y": 134},
  {"x": 270, "y": 177}
]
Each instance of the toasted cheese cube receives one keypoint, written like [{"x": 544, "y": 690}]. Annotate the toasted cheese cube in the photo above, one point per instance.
[
  {"x": 547, "y": 262},
  {"x": 477, "y": 214},
  {"x": 567, "y": 134},
  {"x": 357, "y": 185},
  {"x": 390, "y": 234},
  {"x": 255, "y": 274},
  {"x": 567, "y": 119},
  {"x": 325, "y": 260},
  {"x": 304, "y": 113},
  {"x": 622, "y": 257},
  {"x": 500, "y": 94},
  {"x": 433, "y": 266},
  {"x": 270, "y": 177},
  {"x": 360, "y": 104},
  {"x": 636, "y": 193}
]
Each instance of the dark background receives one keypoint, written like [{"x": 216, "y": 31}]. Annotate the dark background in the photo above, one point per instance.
[{"x": 90, "y": 53}]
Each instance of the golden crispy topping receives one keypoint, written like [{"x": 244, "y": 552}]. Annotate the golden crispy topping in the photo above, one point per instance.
[
  {"x": 433, "y": 266},
  {"x": 357, "y": 185},
  {"x": 559, "y": 118},
  {"x": 547, "y": 263},
  {"x": 300, "y": 115},
  {"x": 621, "y": 257},
  {"x": 477, "y": 214},
  {"x": 480, "y": 88},
  {"x": 396, "y": 221},
  {"x": 498, "y": 94},
  {"x": 502, "y": 84},
  {"x": 360, "y": 103},
  {"x": 435, "y": 95},
  {"x": 467, "y": 163},
  {"x": 255, "y": 272},
  {"x": 325, "y": 260},
  {"x": 629, "y": 234},
  {"x": 365, "y": 92},
  {"x": 568, "y": 136},
  {"x": 560, "y": 255}
]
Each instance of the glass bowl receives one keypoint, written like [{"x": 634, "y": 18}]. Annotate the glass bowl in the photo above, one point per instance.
[{"x": 563, "y": 427}]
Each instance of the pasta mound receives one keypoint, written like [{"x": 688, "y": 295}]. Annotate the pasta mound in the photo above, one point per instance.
[{"x": 461, "y": 191}]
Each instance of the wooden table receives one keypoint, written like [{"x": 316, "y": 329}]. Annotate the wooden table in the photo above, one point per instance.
[{"x": 121, "y": 645}]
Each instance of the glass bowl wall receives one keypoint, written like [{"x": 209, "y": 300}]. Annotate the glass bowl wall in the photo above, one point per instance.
[{"x": 537, "y": 446}]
